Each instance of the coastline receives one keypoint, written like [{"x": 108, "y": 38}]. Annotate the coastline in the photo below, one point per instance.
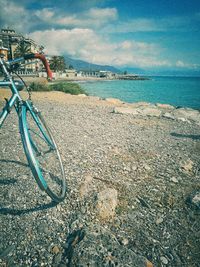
[{"x": 161, "y": 110}]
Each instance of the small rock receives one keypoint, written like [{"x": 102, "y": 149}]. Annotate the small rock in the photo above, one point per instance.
[
  {"x": 188, "y": 166},
  {"x": 134, "y": 168},
  {"x": 147, "y": 167},
  {"x": 174, "y": 180},
  {"x": 55, "y": 249},
  {"x": 194, "y": 199},
  {"x": 125, "y": 241},
  {"x": 164, "y": 260},
  {"x": 159, "y": 220}
]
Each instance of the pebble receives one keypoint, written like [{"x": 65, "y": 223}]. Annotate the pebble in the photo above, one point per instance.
[
  {"x": 125, "y": 241},
  {"x": 55, "y": 249},
  {"x": 174, "y": 180},
  {"x": 164, "y": 260},
  {"x": 159, "y": 220}
]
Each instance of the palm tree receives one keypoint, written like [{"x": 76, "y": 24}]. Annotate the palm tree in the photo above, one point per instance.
[
  {"x": 22, "y": 49},
  {"x": 57, "y": 63}
]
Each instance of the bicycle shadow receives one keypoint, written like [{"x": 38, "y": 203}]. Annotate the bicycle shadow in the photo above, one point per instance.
[
  {"x": 192, "y": 136},
  {"x": 18, "y": 212}
]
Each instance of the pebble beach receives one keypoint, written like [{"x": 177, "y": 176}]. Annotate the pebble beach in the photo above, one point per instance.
[{"x": 133, "y": 176}]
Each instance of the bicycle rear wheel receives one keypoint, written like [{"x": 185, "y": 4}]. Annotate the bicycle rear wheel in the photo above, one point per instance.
[{"x": 42, "y": 153}]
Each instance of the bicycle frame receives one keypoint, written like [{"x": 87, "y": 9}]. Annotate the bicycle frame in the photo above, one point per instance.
[
  {"x": 15, "y": 94},
  {"x": 16, "y": 98}
]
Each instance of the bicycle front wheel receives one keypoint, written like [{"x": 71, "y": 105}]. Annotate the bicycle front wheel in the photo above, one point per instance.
[{"x": 42, "y": 153}]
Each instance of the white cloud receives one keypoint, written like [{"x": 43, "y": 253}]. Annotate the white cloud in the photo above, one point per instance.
[
  {"x": 103, "y": 13},
  {"x": 93, "y": 18},
  {"x": 87, "y": 45},
  {"x": 45, "y": 14}
]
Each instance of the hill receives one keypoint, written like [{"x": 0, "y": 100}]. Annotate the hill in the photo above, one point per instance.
[{"x": 83, "y": 65}]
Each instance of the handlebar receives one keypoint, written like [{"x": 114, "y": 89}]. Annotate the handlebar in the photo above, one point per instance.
[{"x": 44, "y": 61}]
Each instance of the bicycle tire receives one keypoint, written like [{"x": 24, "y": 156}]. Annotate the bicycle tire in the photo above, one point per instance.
[{"x": 42, "y": 153}]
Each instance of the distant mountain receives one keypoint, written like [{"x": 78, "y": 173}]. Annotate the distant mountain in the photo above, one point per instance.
[{"x": 83, "y": 65}]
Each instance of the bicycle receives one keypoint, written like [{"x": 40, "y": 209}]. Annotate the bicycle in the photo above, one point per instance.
[{"x": 38, "y": 142}]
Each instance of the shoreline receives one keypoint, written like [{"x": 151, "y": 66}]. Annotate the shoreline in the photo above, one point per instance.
[
  {"x": 141, "y": 109},
  {"x": 82, "y": 80}
]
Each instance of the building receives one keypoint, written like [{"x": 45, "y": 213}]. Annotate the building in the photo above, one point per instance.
[
  {"x": 96, "y": 74},
  {"x": 10, "y": 40},
  {"x": 70, "y": 73}
]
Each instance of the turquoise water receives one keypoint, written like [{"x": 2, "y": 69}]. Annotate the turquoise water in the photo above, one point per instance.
[{"x": 177, "y": 91}]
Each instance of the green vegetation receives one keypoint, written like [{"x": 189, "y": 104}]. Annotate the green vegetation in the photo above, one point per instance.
[
  {"x": 57, "y": 63},
  {"x": 39, "y": 87},
  {"x": 69, "y": 88},
  {"x": 22, "y": 49},
  {"x": 66, "y": 87}
]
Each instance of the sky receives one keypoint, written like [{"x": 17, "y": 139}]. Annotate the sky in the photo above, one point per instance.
[{"x": 147, "y": 34}]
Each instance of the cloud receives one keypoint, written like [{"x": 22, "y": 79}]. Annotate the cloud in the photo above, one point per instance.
[
  {"x": 85, "y": 44},
  {"x": 45, "y": 14},
  {"x": 93, "y": 18},
  {"x": 12, "y": 14}
]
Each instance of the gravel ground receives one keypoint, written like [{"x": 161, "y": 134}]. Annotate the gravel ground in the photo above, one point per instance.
[{"x": 153, "y": 163}]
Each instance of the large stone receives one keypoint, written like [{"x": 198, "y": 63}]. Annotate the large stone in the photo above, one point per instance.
[
  {"x": 168, "y": 115},
  {"x": 164, "y": 106},
  {"x": 99, "y": 247},
  {"x": 126, "y": 110},
  {"x": 106, "y": 203},
  {"x": 187, "y": 113},
  {"x": 114, "y": 101},
  {"x": 150, "y": 111},
  {"x": 142, "y": 110}
]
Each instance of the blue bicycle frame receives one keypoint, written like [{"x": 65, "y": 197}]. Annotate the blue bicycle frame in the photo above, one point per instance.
[
  {"x": 15, "y": 94},
  {"x": 16, "y": 98},
  {"x": 32, "y": 124}
]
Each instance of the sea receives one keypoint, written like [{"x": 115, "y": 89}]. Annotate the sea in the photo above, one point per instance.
[{"x": 177, "y": 91}]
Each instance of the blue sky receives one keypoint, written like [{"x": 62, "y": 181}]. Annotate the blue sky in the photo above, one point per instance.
[{"x": 156, "y": 34}]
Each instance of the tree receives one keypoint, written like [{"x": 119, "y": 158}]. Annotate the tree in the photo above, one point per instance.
[
  {"x": 22, "y": 49},
  {"x": 71, "y": 67},
  {"x": 57, "y": 63}
]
